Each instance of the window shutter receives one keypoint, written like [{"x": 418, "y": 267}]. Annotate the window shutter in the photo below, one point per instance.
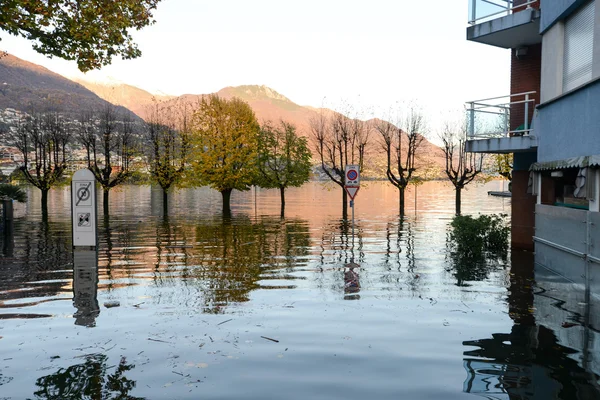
[{"x": 579, "y": 47}]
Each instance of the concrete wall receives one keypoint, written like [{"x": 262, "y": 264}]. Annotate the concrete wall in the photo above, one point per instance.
[
  {"x": 567, "y": 227},
  {"x": 556, "y": 10},
  {"x": 552, "y": 67},
  {"x": 570, "y": 126}
]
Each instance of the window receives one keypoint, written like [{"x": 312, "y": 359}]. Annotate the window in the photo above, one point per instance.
[{"x": 579, "y": 47}]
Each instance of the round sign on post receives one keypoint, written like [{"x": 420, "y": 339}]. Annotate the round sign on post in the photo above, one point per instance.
[
  {"x": 352, "y": 175},
  {"x": 83, "y": 208}
]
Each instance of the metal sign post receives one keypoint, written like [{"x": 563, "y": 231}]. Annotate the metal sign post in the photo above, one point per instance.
[
  {"x": 83, "y": 209},
  {"x": 352, "y": 185}
]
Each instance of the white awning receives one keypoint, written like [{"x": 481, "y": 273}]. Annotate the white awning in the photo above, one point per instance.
[{"x": 573, "y": 162}]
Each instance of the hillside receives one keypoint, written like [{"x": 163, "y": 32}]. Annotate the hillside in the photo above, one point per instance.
[
  {"x": 25, "y": 86},
  {"x": 130, "y": 97}
]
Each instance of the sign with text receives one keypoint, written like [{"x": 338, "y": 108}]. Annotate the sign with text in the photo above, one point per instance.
[
  {"x": 83, "y": 208},
  {"x": 352, "y": 175}
]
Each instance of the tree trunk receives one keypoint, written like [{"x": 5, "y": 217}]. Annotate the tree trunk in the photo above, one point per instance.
[
  {"x": 165, "y": 202},
  {"x": 457, "y": 200},
  {"x": 344, "y": 204},
  {"x": 105, "y": 200},
  {"x": 44, "y": 204},
  {"x": 402, "y": 202},
  {"x": 282, "y": 195},
  {"x": 226, "y": 201}
]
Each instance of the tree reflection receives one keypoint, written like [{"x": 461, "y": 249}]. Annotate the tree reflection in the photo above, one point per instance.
[
  {"x": 42, "y": 248},
  {"x": 89, "y": 380},
  {"x": 236, "y": 253},
  {"x": 400, "y": 254},
  {"x": 338, "y": 249}
]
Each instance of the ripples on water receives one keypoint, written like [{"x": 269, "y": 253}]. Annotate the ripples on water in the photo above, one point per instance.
[{"x": 255, "y": 306}]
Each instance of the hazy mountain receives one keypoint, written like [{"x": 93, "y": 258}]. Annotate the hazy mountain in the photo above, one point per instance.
[
  {"x": 24, "y": 85},
  {"x": 131, "y": 97}
]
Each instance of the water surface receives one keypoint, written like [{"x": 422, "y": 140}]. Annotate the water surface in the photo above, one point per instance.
[{"x": 255, "y": 306}]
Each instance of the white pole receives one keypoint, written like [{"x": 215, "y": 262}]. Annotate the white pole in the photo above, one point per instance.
[{"x": 352, "y": 205}]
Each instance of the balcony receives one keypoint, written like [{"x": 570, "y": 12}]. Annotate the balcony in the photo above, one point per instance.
[
  {"x": 490, "y": 121},
  {"x": 509, "y": 24}
]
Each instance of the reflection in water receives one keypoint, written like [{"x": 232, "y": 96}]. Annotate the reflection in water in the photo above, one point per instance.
[
  {"x": 36, "y": 269},
  {"x": 89, "y": 380},
  {"x": 467, "y": 267},
  {"x": 235, "y": 254},
  {"x": 530, "y": 362},
  {"x": 283, "y": 279},
  {"x": 85, "y": 287},
  {"x": 351, "y": 282}
]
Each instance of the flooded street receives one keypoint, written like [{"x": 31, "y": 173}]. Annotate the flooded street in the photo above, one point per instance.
[{"x": 257, "y": 306}]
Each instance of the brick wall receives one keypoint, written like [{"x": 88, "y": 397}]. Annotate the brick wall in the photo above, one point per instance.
[
  {"x": 522, "y": 212},
  {"x": 525, "y": 76}
]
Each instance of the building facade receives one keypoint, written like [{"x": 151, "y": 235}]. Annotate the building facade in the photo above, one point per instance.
[{"x": 550, "y": 122}]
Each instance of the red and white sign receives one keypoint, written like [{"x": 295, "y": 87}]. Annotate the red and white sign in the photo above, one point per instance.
[
  {"x": 352, "y": 190},
  {"x": 352, "y": 175}
]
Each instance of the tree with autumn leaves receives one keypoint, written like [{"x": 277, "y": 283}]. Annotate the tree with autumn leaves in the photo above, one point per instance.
[
  {"x": 224, "y": 135},
  {"x": 91, "y": 32},
  {"x": 284, "y": 159}
]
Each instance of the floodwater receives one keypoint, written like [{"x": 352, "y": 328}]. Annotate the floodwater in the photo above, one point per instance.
[{"x": 257, "y": 306}]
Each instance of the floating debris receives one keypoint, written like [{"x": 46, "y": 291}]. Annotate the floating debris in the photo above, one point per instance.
[{"x": 111, "y": 304}]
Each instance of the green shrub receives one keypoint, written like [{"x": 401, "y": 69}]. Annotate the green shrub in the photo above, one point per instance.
[
  {"x": 474, "y": 242},
  {"x": 477, "y": 236}
]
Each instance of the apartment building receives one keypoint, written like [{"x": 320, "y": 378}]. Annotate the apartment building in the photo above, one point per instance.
[{"x": 550, "y": 121}]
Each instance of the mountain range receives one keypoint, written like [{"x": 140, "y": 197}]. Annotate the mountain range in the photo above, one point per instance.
[{"x": 24, "y": 85}]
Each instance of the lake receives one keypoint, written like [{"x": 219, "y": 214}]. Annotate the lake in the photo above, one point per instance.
[{"x": 256, "y": 306}]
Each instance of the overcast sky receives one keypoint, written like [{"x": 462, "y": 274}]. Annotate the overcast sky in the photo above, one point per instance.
[{"x": 371, "y": 54}]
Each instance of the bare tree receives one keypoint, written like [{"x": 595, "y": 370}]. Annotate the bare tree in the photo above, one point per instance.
[
  {"x": 42, "y": 139},
  {"x": 339, "y": 141},
  {"x": 401, "y": 144},
  {"x": 461, "y": 166},
  {"x": 110, "y": 146}
]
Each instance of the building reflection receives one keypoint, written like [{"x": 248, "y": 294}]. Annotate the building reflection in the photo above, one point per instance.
[
  {"x": 85, "y": 287},
  {"x": 549, "y": 353}
]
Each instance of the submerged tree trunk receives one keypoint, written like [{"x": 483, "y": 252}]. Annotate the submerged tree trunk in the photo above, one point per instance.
[
  {"x": 402, "y": 199},
  {"x": 165, "y": 202},
  {"x": 226, "y": 201},
  {"x": 44, "y": 204},
  {"x": 344, "y": 204},
  {"x": 282, "y": 195},
  {"x": 457, "y": 200},
  {"x": 105, "y": 200}
]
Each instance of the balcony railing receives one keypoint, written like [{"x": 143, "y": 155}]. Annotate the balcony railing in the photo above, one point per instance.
[
  {"x": 485, "y": 10},
  {"x": 490, "y": 118}
]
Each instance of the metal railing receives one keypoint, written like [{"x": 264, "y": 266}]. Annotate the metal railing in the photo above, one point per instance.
[
  {"x": 490, "y": 118},
  {"x": 484, "y": 10}
]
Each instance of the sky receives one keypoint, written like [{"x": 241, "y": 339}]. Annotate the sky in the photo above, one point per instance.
[{"x": 373, "y": 55}]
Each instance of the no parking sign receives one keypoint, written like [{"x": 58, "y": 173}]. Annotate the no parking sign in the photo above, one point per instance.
[
  {"x": 352, "y": 178},
  {"x": 352, "y": 175}
]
